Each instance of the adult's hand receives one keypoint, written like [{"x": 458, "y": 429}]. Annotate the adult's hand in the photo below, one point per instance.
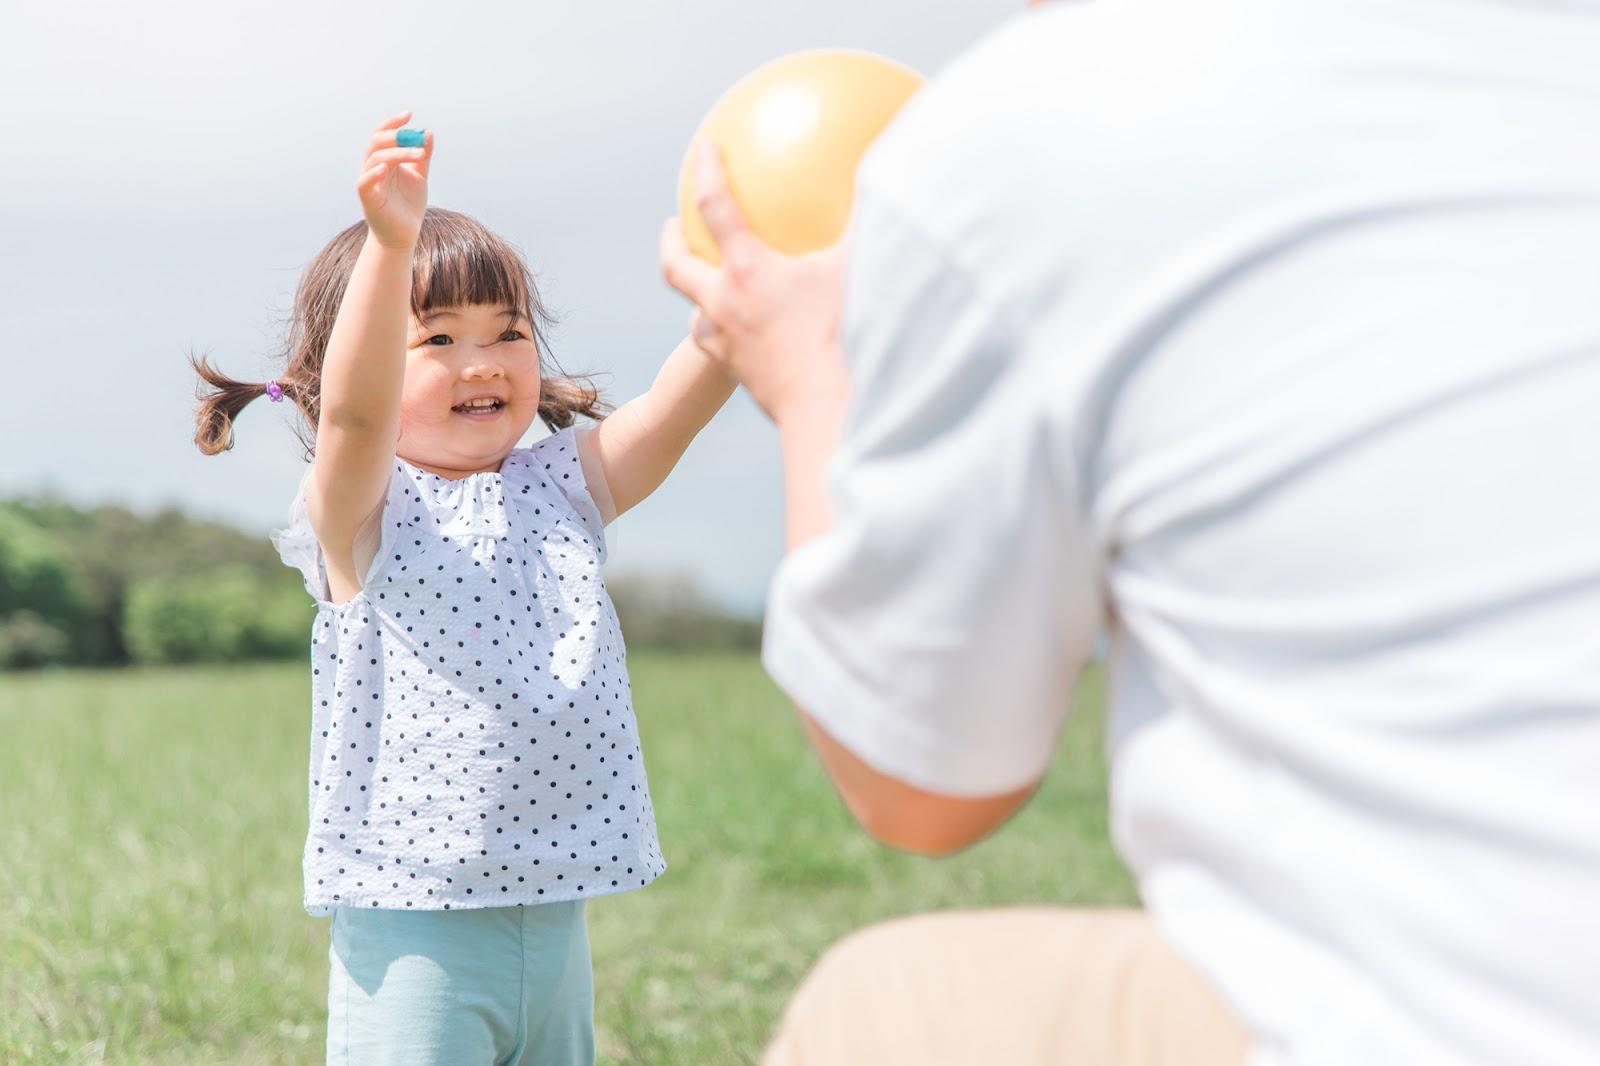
[{"x": 771, "y": 320}]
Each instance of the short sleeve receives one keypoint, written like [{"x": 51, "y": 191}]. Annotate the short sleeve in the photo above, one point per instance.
[
  {"x": 299, "y": 548},
  {"x": 557, "y": 458},
  {"x": 594, "y": 475},
  {"x": 938, "y": 627}
]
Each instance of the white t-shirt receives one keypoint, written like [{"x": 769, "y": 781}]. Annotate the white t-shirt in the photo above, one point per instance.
[
  {"x": 1265, "y": 335},
  {"x": 473, "y": 741}
]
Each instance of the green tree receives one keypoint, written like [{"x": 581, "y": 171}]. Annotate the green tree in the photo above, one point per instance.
[
  {"x": 41, "y": 603},
  {"x": 108, "y": 549},
  {"x": 231, "y": 614}
]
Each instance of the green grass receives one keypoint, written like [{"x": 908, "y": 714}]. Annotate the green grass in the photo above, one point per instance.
[{"x": 150, "y": 832}]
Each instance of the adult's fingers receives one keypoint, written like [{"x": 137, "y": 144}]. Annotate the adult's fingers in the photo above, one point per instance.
[
  {"x": 716, "y": 204},
  {"x": 682, "y": 269}
]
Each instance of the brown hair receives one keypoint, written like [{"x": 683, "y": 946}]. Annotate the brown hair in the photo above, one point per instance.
[{"x": 457, "y": 261}]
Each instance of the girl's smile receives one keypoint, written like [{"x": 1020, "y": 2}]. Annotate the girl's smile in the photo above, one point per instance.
[{"x": 481, "y": 408}]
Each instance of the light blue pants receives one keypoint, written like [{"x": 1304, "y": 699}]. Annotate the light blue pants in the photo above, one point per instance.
[{"x": 483, "y": 987}]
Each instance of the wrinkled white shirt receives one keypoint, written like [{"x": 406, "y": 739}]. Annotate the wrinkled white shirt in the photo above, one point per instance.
[{"x": 1265, "y": 335}]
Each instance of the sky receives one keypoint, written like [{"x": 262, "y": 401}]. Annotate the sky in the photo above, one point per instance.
[{"x": 168, "y": 169}]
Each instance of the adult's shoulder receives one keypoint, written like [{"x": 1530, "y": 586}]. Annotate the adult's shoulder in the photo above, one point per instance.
[{"x": 1056, "y": 119}]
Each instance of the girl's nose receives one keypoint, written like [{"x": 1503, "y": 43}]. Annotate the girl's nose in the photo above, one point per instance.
[{"x": 482, "y": 371}]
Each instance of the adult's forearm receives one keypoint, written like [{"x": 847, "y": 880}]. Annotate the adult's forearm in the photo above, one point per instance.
[
  {"x": 896, "y": 812},
  {"x": 808, "y": 434}
]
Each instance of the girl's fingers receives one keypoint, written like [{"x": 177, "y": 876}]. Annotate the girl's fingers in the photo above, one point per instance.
[
  {"x": 385, "y": 138},
  {"x": 397, "y": 155},
  {"x": 420, "y": 158},
  {"x": 370, "y": 189},
  {"x": 707, "y": 338},
  {"x": 386, "y": 161}
]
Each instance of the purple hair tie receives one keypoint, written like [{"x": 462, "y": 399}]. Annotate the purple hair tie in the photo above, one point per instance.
[{"x": 274, "y": 391}]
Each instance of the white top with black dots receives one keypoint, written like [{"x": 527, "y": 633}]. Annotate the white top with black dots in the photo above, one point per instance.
[{"x": 473, "y": 741}]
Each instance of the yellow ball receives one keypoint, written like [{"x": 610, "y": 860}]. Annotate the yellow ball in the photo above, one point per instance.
[{"x": 791, "y": 134}]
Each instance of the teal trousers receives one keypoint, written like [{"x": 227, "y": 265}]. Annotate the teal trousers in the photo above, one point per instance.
[{"x": 483, "y": 987}]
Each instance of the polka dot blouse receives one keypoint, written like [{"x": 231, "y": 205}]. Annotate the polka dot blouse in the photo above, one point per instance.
[{"x": 473, "y": 741}]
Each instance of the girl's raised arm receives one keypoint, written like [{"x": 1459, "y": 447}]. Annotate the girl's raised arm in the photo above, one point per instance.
[
  {"x": 638, "y": 444},
  {"x": 364, "y": 366}
]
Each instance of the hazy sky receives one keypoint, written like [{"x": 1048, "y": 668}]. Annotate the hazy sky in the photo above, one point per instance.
[{"x": 169, "y": 168}]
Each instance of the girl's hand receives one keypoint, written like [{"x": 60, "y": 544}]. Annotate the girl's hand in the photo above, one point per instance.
[
  {"x": 771, "y": 320},
  {"x": 394, "y": 185}
]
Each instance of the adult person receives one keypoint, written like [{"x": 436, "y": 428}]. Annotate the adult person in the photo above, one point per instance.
[{"x": 1266, "y": 335}]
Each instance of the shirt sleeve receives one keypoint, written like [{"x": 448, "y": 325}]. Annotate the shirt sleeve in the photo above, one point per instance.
[
  {"x": 299, "y": 548},
  {"x": 297, "y": 545},
  {"x": 937, "y": 628},
  {"x": 559, "y": 457},
  {"x": 594, "y": 475}
]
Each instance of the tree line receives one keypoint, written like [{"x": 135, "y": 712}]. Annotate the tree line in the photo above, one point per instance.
[{"x": 106, "y": 586}]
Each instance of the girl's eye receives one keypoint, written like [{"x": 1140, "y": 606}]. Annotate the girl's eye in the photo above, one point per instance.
[
  {"x": 512, "y": 335},
  {"x": 438, "y": 338}
]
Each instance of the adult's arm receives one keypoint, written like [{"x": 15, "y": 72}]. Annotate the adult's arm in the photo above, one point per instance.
[{"x": 889, "y": 653}]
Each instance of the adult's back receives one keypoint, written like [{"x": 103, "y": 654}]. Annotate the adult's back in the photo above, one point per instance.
[{"x": 1269, "y": 331}]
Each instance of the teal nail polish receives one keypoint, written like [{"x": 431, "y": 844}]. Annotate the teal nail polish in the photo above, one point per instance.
[{"x": 409, "y": 138}]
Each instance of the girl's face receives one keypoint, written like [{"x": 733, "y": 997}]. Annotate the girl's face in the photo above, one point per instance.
[{"x": 471, "y": 388}]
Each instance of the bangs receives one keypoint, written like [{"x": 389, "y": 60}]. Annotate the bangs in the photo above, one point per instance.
[{"x": 458, "y": 261}]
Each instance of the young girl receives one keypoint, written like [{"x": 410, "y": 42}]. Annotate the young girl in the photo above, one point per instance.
[{"x": 475, "y": 770}]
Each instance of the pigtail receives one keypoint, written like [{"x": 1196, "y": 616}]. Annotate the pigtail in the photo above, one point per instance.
[
  {"x": 562, "y": 398},
  {"x": 221, "y": 399}
]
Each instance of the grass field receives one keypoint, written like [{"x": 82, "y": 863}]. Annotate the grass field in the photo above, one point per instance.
[{"x": 150, "y": 833}]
